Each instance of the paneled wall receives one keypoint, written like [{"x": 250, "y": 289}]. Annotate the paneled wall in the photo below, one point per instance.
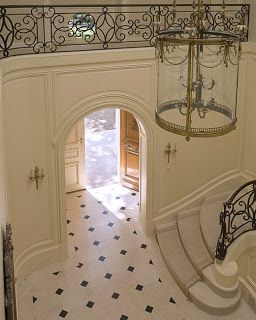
[
  {"x": 2, "y": 200},
  {"x": 249, "y": 128},
  {"x": 45, "y": 95}
]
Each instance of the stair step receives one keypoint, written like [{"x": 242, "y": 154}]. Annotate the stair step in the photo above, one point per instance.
[
  {"x": 210, "y": 302},
  {"x": 176, "y": 258},
  {"x": 209, "y": 278},
  {"x": 191, "y": 236},
  {"x": 209, "y": 222}
]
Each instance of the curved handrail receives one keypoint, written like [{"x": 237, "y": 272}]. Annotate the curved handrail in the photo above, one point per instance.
[
  {"x": 28, "y": 29},
  {"x": 237, "y": 218}
]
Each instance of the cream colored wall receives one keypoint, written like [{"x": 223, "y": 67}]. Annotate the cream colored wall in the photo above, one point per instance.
[
  {"x": 2, "y": 201},
  {"x": 249, "y": 130},
  {"x": 42, "y": 94}
]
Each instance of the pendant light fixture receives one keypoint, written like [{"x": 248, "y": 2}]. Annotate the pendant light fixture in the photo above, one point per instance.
[{"x": 197, "y": 76}]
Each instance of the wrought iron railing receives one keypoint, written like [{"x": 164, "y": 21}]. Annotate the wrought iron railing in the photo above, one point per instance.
[
  {"x": 46, "y": 29},
  {"x": 238, "y": 217}
]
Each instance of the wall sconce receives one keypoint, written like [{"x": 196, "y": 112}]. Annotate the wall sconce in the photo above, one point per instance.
[
  {"x": 36, "y": 176},
  {"x": 170, "y": 150}
]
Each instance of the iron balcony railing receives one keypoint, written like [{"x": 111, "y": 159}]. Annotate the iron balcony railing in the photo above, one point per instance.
[
  {"x": 238, "y": 217},
  {"x": 46, "y": 29}
]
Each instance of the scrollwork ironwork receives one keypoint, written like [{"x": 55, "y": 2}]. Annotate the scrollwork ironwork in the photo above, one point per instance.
[
  {"x": 42, "y": 29},
  {"x": 237, "y": 217}
]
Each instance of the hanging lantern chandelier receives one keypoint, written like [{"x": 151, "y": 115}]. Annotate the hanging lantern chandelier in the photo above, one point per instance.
[{"x": 197, "y": 77}]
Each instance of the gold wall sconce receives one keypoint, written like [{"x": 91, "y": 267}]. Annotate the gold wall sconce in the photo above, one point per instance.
[
  {"x": 36, "y": 176},
  {"x": 170, "y": 150}
]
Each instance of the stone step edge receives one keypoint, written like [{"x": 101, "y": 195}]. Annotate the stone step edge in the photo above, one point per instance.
[
  {"x": 208, "y": 276},
  {"x": 207, "y": 304}
]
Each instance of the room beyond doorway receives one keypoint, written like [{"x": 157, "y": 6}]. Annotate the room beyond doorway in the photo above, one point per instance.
[{"x": 101, "y": 148}]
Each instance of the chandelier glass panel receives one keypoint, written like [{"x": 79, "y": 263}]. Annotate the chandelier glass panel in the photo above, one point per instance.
[{"x": 197, "y": 78}]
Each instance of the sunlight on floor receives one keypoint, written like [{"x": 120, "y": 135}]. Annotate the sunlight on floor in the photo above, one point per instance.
[{"x": 117, "y": 199}]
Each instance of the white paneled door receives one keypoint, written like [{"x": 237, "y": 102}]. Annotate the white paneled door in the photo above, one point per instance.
[{"x": 75, "y": 159}]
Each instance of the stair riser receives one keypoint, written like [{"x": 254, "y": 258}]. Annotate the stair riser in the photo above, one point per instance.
[
  {"x": 213, "y": 310},
  {"x": 218, "y": 291}
]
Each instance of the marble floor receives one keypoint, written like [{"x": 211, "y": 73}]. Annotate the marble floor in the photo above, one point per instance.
[{"x": 114, "y": 271}]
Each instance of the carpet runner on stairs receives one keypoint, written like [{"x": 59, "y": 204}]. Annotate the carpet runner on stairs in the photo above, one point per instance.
[
  {"x": 191, "y": 237},
  {"x": 176, "y": 258},
  {"x": 188, "y": 247}
]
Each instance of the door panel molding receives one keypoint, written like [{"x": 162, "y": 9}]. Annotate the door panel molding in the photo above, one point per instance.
[{"x": 129, "y": 151}]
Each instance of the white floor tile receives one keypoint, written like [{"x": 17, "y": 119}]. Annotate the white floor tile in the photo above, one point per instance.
[{"x": 114, "y": 271}]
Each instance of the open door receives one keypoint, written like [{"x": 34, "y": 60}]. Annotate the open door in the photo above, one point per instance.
[
  {"x": 129, "y": 151},
  {"x": 75, "y": 159}
]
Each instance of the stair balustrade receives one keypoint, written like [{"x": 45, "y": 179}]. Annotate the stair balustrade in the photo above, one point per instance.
[{"x": 237, "y": 217}]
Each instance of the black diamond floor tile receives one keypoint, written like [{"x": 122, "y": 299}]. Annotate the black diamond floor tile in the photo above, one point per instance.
[
  {"x": 71, "y": 234},
  {"x": 82, "y": 205},
  {"x": 115, "y": 295},
  {"x": 84, "y": 283},
  {"x": 101, "y": 258},
  {"x": 79, "y": 265},
  {"x": 143, "y": 246},
  {"x": 150, "y": 261},
  {"x": 56, "y": 273},
  {"x": 122, "y": 208},
  {"x": 68, "y": 221},
  {"x": 139, "y": 287},
  {"x": 76, "y": 248},
  {"x": 110, "y": 224},
  {"x": 105, "y": 212},
  {"x": 133, "y": 194},
  {"x": 59, "y": 291},
  {"x": 63, "y": 313},
  {"x": 130, "y": 268},
  {"x": 96, "y": 243},
  {"x": 116, "y": 237},
  {"x": 90, "y": 304},
  {"x": 91, "y": 229},
  {"x": 34, "y": 299},
  {"x": 123, "y": 317},
  {"x": 149, "y": 309},
  {"x": 123, "y": 252},
  {"x": 86, "y": 217},
  {"x": 108, "y": 275}
]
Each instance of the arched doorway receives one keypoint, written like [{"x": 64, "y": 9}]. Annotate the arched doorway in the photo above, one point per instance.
[
  {"x": 102, "y": 158},
  {"x": 89, "y": 105}
]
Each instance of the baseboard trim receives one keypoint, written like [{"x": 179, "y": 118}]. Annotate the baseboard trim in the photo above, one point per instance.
[{"x": 37, "y": 256}]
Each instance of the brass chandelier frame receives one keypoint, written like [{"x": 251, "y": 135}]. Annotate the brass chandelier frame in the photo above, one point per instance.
[{"x": 196, "y": 37}]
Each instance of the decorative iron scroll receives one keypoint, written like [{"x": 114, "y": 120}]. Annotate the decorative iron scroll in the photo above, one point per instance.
[
  {"x": 46, "y": 29},
  {"x": 9, "y": 280},
  {"x": 238, "y": 217}
]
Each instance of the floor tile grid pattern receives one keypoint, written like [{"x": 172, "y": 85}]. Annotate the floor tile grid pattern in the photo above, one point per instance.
[{"x": 114, "y": 271}]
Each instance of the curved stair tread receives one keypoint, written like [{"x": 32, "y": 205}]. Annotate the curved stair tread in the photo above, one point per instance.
[
  {"x": 209, "y": 221},
  {"x": 191, "y": 236},
  {"x": 210, "y": 302},
  {"x": 209, "y": 218},
  {"x": 209, "y": 277},
  {"x": 176, "y": 258}
]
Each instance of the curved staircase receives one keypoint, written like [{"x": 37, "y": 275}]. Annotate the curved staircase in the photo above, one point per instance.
[{"x": 188, "y": 247}]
